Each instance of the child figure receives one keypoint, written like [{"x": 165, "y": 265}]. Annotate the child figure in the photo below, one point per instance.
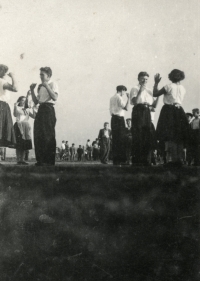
[{"x": 195, "y": 138}]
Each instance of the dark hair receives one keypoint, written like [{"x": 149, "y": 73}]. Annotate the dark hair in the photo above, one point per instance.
[
  {"x": 3, "y": 70},
  {"x": 189, "y": 114},
  {"x": 143, "y": 73},
  {"x": 20, "y": 98},
  {"x": 47, "y": 70},
  {"x": 195, "y": 110},
  {"x": 176, "y": 75},
  {"x": 128, "y": 119},
  {"x": 121, "y": 88},
  {"x": 106, "y": 123}
]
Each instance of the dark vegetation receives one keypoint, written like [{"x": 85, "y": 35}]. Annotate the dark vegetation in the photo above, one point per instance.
[{"x": 99, "y": 223}]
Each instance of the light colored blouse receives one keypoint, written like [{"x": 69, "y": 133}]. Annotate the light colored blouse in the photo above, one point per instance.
[
  {"x": 174, "y": 93},
  {"x": 21, "y": 114},
  {"x": 117, "y": 105},
  {"x": 43, "y": 95},
  {"x": 146, "y": 95},
  {"x": 4, "y": 94}
]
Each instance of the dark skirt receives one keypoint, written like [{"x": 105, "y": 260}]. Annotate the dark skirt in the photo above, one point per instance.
[
  {"x": 7, "y": 134},
  {"x": 142, "y": 133},
  {"x": 44, "y": 134},
  {"x": 172, "y": 124},
  {"x": 22, "y": 144},
  {"x": 118, "y": 139}
]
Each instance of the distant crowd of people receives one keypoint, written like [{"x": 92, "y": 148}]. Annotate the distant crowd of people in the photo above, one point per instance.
[{"x": 176, "y": 139}]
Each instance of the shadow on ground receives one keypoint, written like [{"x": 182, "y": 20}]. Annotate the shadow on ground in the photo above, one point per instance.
[{"x": 99, "y": 223}]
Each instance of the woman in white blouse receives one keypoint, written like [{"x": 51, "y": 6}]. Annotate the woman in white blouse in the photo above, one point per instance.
[
  {"x": 172, "y": 127},
  {"x": 22, "y": 129}
]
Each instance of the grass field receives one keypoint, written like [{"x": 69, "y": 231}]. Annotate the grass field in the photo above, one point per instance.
[{"x": 95, "y": 222}]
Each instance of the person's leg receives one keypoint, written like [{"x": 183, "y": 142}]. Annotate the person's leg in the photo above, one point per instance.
[
  {"x": 180, "y": 152},
  {"x": 18, "y": 155}
]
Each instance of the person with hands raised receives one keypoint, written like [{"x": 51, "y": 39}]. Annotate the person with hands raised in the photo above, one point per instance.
[
  {"x": 143, "y": 103},
  {"x": 172, "y": 127},
  {"x": 117, "y": 109},
  {"x": 45, "y": 120},
  {"x": 7, "y": 135}
]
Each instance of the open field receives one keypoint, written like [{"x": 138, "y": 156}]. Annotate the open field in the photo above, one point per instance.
[{"x": 93, "y": 222}]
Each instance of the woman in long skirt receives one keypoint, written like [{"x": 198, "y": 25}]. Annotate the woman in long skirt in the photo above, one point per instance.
[
  {"x": 7, "y": 135},
  {"x": 172, "y": 127},
  {"x": 22, "y": 129}
]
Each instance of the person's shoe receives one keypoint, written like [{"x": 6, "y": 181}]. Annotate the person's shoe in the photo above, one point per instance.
[
  {"x": 24, "y": 163},
  {"x": 38, "y": 164}
]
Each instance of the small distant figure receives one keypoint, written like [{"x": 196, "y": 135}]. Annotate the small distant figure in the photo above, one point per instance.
[
  {"x": 80, "y": 153},
  {"x": 95, "y": 151},
  {"x": 104, "y": 139},
  {"x": 89, "y": 150},
  {"x": 128, "y": 140},
  {"x": 62, "y": 150},
  {"x": 187, "y": 152},
  {"x": 194, "y": 142},
  {"x": 66, "y": 155},
  {"x": 72, "y": 152}
]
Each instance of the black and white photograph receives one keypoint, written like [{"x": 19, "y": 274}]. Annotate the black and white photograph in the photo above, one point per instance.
[{"x": 99, "y": 140}]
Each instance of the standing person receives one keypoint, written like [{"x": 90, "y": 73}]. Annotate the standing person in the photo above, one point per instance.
[
  {"x": 80, "y": 153},
  {"x": 89, "y": 150},
  {"x": 67, "y": 151},
  {"x": 62, "y": 149},
  {"x": 194, "y": 143},
  {"x": 143, "y": 101},
  {"x": 128, "y": 140},
  {"x": 45, "y": 120},
  {"x": 104, "y": 138},
  {"x": 72, "y": 152},
  {"x": 22, "y": 129},
  {"x": 172, "y": 127},
  {"x": 117, "y": 110},
  {"x": 7, "y": 135}
]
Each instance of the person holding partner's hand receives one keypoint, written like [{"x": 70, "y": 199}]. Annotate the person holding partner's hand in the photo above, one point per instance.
[
  {"x": 45, "y": 120},
  {"x": 7, "y": 135},
  {"x": 172, "y": 127},
  {"x": 142, "y": 99}
]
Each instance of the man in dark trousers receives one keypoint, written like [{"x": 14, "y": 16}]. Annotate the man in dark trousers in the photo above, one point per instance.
[
  {"x": 128, "y": 140},
  {"x": 45, "y": 120},
  {"x": 117, "y": 110},
  {"x": 104, "y": 139},
  {"x": 80, "y": 153}
]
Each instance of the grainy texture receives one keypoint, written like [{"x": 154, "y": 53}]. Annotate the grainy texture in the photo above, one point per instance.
[{"x": 99, "y": 223}]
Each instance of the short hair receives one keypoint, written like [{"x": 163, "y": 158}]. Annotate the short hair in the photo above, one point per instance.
[
  {"x": 121, "y": 88},
  {"x": 88, "y": 140},
  {"x": 106, "y": 123},
  {"x": 3, "y": 70},
  {"x": 128, "y": 119},
  {"x": 20, "y": 98},
  {"x": 176, "y": 75},
  {"x": 143, "y": 73},
  {"x": 189, "y": 114},
  {"x": 47, "y": 70},
  {"x": 195, "y": 110}
]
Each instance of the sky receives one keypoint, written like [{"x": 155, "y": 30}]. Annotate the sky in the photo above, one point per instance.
[{"x": 94, "y": 45}]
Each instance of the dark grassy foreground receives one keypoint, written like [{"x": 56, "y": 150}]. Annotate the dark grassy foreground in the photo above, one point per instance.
[{"x": 106, "y": 223}]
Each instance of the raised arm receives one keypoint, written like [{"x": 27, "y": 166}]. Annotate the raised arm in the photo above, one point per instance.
[
  {"x": 51, "y": 92},
  {"x": 34, "y": 98},
  {"x": 137, "y": 97},
  {"x": 15, "y": 111},
  {"x": 127, "y": 103},
  {"x": 11, "y": 87},
  {"x": 156, "y": 92}
]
